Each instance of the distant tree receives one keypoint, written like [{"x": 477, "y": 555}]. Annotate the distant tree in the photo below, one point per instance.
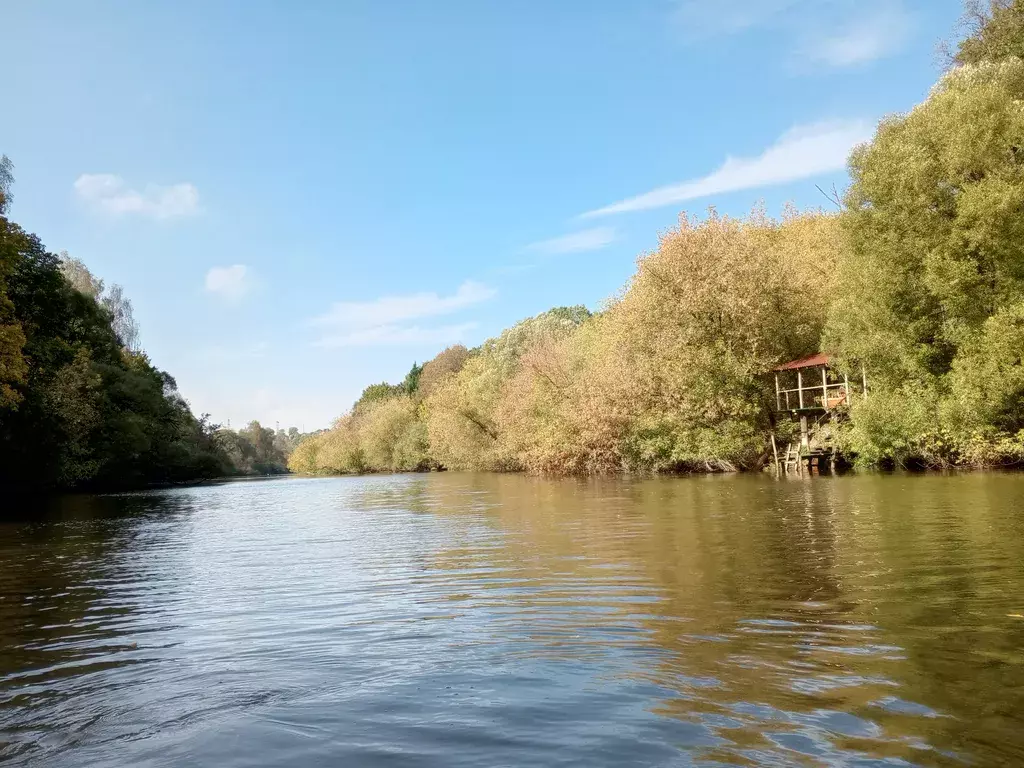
[
  {"x": 268, "y": 458},
  {"x": 462, "y": 408},
  {"x": 412, "y": 379},
  {"x": 122, "y": 319},
  {"x": 446, "y": 363},
  {"x": 576, "y": 314},
  {"x": 375, "y": 392},
  {"x": 79, "y": 276},
  {"x": 6, "y": 183}
]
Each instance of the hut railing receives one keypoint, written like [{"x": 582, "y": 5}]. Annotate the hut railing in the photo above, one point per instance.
[{"x": 825, "y": 396}]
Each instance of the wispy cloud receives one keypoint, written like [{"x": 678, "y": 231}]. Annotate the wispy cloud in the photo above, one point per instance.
[
  {"x": 577, "y": 242},
  {"x": 802, "y": 152},
  {"x": 829, "y": 33},
  {"x": 230, "y": 283},
  {"x": 395, "y": 309},
  {"x": 396, "y": 335},
  {"x": 386, "y": 320},
  {"x": 698, "y": 19},
  {"x": 110, "y": 194},
  {"x": 864, "y": 40}
]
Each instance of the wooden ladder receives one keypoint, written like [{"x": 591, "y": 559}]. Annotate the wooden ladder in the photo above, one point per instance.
[{"x": 791, "y": 463}]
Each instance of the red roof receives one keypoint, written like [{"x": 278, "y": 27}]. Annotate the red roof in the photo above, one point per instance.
[{"x": 808, "y": 362}]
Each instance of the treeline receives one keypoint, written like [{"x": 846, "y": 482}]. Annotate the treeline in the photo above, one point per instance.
[
  {"x": 919, "y": 277},
  {"x": 81, "y": 405},
  {"x": 256, "y": 450}
]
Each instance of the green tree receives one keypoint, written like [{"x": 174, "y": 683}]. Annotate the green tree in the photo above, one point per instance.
[
  {"x": 6, "y": 183},
  {"x": 935, "y": 276},
  {"x": 411, "y": 382},
  {"x": 13, "y": 366},
  {"x": 995, "y": 32},
  {"x": 268, "y": 458},
  {"x": 82, "y": 407},
  {"x": 376, "y": 392}
]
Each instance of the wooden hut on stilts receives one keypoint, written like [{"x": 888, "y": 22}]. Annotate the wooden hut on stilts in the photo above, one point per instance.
[{"x": 811, "y": 391}]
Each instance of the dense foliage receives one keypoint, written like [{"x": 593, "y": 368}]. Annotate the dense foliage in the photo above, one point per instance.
[
  {"x": 995, "y": 31},
  {"x": 931, "y": 296},
  {"x": 670, "y": 376},
  {"x": 919, "y": 278},
  {"x": 81, "y": 406}
]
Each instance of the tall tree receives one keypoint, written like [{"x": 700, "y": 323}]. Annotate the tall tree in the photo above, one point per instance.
[
  {"x": 936, "y": 271},
  {"x": 995, "y": 31},
  {"x": 6, "y": 182}
]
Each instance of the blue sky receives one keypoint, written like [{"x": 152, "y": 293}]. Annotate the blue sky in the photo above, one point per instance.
[{"x": 304, "y": 198}]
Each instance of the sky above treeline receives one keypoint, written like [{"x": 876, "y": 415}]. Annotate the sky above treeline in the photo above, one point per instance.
[{"x": 305, "y": 198}]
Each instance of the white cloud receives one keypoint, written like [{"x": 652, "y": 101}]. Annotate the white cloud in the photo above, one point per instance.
[
  {"x": 387, "y": 335},
  {"x": 109, "y": 193},
  {"x": 835, "y": 33},
  {"x": 577, "y": 242},
  {"x": 385, "y": 321},
  {"x": 865, "y": 40},
  {"x": 705, "y": 18},
  {"x": 395, "y": 309},
  {"x": 802, "y": 152},
  {"x": 231, "y": 283}
]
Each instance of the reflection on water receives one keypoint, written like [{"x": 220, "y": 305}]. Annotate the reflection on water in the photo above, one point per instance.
[{"x": 452, "y": 620}]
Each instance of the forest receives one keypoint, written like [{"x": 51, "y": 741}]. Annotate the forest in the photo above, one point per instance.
[
  {"x": 81, "y": 405},
  {"x": 918, "y": 277}
]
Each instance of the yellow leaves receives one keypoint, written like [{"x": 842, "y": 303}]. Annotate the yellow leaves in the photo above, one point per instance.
[
  {"x": 672, "y": 369},
  {"x": 386, "y": 434},
  {"x": 669, "y": 376}
]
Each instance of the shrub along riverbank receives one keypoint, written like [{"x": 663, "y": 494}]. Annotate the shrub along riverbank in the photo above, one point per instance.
[{"x": 920, "y": 277}]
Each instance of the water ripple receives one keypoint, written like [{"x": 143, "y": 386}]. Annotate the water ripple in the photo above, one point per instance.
[{"x": 474, "y": 621}]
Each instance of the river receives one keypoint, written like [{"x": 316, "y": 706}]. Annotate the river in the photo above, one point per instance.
[{"x": 481, "y": 620}]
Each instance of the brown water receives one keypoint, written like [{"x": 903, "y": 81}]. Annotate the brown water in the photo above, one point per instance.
[{"x": 452, "y": 620}]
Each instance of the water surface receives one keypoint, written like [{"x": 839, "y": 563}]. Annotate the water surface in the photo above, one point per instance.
[{"x": 452, "y": 620}]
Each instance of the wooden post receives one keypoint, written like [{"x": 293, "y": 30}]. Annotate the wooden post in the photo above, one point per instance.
[
  {"x": 778, "y": 400},
  {"x": 800, "y": 388},
  {"x": 846, "y": 383},
  {"x": 824, "y": 387},
  {"x": 864, "y": 380},
  {"x": 775, "y": 451},
  {"x": 805, "y": 435}
]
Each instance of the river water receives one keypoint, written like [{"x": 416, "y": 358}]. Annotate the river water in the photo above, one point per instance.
[{"x": 477, "y": 620}]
